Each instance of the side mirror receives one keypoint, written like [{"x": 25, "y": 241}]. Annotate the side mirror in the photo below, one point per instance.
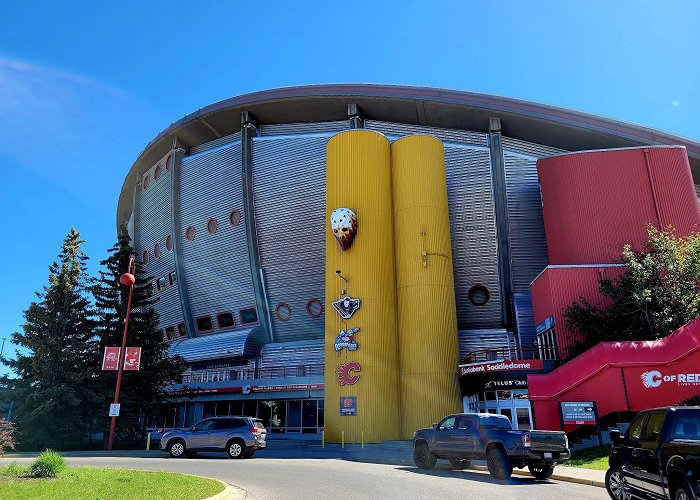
[
  {"x": 192, "y": 429},
  {"x": 615, "y": 436},
  {"x": 435, "y": 425}
]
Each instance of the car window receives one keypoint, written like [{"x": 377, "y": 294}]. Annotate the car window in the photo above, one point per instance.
[
  {"x": 222, "y": 424},
  {"x": 258, "y": 425},
  {"x": 636, "y": 427},
  {"x": 686, "y": 428},
  {"x": 448, "y": 423},
  {"x": 653, "y": 427},
  {"x": 494, "y": 423},
  {"x": 464, "y": 423},
  {"x": 204, "y": 425}
]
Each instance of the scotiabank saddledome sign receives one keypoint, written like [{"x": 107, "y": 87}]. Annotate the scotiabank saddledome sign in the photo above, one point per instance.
[{"x": 501, "y": 366}]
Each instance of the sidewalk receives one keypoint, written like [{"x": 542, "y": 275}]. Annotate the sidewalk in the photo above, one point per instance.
[{"x": 397, "y": 453}]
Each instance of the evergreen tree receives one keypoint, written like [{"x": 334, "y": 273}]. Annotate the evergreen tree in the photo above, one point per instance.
[
  {"x": 141, "y": 391},
  {"x": 52, "y": 391},
  {"x": 657, "y": 293}
]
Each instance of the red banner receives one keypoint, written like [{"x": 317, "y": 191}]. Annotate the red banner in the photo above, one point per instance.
[
  {"x": 501, "y": 366},
  {"x": 132, "y": 359},
  {"x": 110, "y": 360}
]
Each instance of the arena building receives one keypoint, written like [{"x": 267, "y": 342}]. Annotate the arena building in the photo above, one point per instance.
[{"x": 337, "y": 256}]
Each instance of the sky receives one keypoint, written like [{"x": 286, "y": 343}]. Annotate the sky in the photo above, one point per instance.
[{"x": 84, "y": 86}]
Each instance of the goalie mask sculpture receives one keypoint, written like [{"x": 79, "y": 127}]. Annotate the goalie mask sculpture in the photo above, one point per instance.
[{"x": 344, "y": 226}]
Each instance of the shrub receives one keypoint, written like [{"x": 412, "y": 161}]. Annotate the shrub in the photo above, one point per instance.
[
  {"x": 7, "y": 442},
  {"x": 13, "y": 470},
  {"x": 48, "y": 464}
]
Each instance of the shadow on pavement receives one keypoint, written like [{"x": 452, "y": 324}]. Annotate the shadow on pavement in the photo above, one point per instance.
[{"x": 472, "y": 475}]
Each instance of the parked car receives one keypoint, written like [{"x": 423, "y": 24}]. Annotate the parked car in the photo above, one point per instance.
[
  {"x": 658, "y": 456},
  {"x": 462, "y": 437},
  {"x": 240, "y": 437}
]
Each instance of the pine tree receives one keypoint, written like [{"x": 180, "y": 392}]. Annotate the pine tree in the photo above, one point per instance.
[
  {"x": 52, "y": 386},
  {"x": 141, "y": 391}
]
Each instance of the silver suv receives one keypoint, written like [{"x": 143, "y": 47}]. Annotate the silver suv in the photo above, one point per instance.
[{"x": 240, "y": 437}]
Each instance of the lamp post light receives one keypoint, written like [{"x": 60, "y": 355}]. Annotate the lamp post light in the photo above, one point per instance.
[{"x": 126, "y": 279}]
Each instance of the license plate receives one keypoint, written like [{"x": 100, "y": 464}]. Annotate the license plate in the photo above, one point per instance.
[{"x": 547, "y": 455}]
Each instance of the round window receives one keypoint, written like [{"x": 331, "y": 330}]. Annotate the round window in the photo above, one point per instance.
[
  {"x": 169, "y": 243},
  {"x": 283, "y": 312},
  {"x": 314, "y": 307},
  {"x": 234, "y": 218},
  {"x": 159, "y": 170},
  {"x": 144, "y": 257},
  {"x": 168, "y": 162},
  {"x": 212, "y": 226},
  {"x": 479, "y": 295},
  {"x": 156, "y": 250},
  {"x": 190, "y": 233},
  {"x": 145, "y": 181}
]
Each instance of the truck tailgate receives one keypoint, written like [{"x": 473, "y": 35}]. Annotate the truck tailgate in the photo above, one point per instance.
[{"x": 548, "y": 441}]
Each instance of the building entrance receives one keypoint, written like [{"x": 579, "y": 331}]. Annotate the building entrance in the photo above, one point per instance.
[{"x": 514, "y": 404}]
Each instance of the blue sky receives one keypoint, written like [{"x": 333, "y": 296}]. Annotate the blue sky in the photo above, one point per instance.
[{"x": 84, "y": 86}]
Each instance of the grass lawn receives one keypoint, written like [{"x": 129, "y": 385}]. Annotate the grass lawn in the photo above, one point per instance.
[
  {"x": 100, "y": 483},
  {"x": 590, "y": 458}
]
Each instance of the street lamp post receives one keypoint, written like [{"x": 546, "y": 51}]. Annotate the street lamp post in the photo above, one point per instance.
[{"x": 127, "y": 279}]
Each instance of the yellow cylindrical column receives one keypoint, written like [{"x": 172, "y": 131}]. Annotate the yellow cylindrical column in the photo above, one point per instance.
[
  {"x": 427, "y": 314},
  {"x": 358, "y": 177}
]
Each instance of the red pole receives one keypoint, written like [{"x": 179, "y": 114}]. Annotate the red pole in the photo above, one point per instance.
[{"x": 122, "y": 353}]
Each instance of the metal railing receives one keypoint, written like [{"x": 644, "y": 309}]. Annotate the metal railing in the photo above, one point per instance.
[
  {"x": 223, "y": 375},
  {"x": 504, "y": 353}
]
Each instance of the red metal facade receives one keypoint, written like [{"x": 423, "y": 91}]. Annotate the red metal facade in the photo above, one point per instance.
[
  {"x": 622, "y": 376},
  {"x": 558, "y": 287},
  {"x": 596, "y": 202}
]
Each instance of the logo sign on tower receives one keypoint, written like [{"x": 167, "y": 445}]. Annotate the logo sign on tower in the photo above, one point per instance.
[
  {"x": 348, "y": 406},
  {"x": 110, "y": 360}
]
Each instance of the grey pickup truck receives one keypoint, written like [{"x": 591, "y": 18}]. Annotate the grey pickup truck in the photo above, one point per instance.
[{"x": 462, "y": 437}]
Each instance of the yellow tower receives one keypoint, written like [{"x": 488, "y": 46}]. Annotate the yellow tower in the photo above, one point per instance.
[
  {"x": 428, "y": 346},
  {"x": 360, "y": 382}
]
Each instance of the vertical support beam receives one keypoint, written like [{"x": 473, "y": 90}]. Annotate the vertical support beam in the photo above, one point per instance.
[
  {"x": 500, "y": 199},
  {"x": 355, "y": 115},
  {"x": 248, "y": 132},
  {"x": 177, "y": 153}
]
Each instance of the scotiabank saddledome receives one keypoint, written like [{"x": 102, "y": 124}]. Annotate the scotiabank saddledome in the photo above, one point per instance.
[{"x": 338, "y": 256}]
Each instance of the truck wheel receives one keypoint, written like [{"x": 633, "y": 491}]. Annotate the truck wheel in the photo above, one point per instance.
[
  {"x": 616, "y": 484},
  {"x": 683, "y": 493},
  {"x": 541, "y": 471},
  {"x": 498, "y": 464},
  {"x": 460, "y": 464},
  {"x": 423, "y": 457}
]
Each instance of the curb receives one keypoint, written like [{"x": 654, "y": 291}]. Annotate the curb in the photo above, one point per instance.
[{"x": 230, "y": 492}]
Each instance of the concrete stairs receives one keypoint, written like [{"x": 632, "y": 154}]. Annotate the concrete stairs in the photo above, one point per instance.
[{"x": 592, "y": 441}]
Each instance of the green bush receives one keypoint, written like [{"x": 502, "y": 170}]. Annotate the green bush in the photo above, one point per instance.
[
  {"x": 12, "y": 470},
  {"x": 48, "y": 464}
]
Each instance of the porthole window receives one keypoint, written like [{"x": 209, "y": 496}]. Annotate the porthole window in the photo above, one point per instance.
[
  {"x": 479, "y": 295},
  {"x": 225, "y": 320},
  {"x": 156, "y": 250},
  {"x": 315, "y": 308},
  {"x": 173, "y": 278},
  {"x": 161, "y": 283},
  {"x": 169, "y": 243},
  {"x": 212, "y": 226},
  {"x": 234, "y": 218},
  {"x": 168, "y": 162},
  {"x": 204, "y": 324},
  {"x": 283, "y": 312},
  {"x": 145, "y": 181},
  {"x": 144, "y": 257},
  {"x": 170, "y": 333},
  {"x": 158, "y": 171},
  {"x": 190, "y": 233},
  {"x": 249, "y": 316}
]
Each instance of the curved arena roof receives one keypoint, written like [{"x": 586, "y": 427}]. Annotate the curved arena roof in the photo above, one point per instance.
[{"x": 434, "y": 107}]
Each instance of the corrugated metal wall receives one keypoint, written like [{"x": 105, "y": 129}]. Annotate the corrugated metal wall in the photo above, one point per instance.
[
  {"x": 155, "y": 225},
  {"x": 529, "y": 148},
  {"x": 479, "y": 339},
  {"x": 216, "y": 143},
  {"x": 305, "y": 352},
  {"x": 289, "y": 179},
  {"x": 524, "y": 319},
  {"x": 304, "y": 128},
  {"x": 216, "y": 265},
  {"x": 473, "y": 225},
  {"x": 445, "y": 135}
]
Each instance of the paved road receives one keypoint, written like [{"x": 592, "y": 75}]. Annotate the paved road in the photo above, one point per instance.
[{"x": 294, "y": 478}]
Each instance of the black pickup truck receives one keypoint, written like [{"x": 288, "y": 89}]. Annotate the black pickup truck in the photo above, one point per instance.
[
  {"x": 462, "y": 437},
  {"x": 658, "y": 457}
]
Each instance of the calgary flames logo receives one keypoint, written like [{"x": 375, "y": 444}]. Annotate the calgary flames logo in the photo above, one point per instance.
[
  {"x": 651, "y": 379},
  {"x": 345, "y": 373}
]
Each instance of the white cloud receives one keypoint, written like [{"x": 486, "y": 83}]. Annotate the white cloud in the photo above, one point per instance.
[{"x": 675, "y": 103}]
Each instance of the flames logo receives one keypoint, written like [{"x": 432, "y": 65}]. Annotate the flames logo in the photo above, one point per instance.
[
  {"x": 651, "y": 379},
  {"x": 346, "y": 375}
]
